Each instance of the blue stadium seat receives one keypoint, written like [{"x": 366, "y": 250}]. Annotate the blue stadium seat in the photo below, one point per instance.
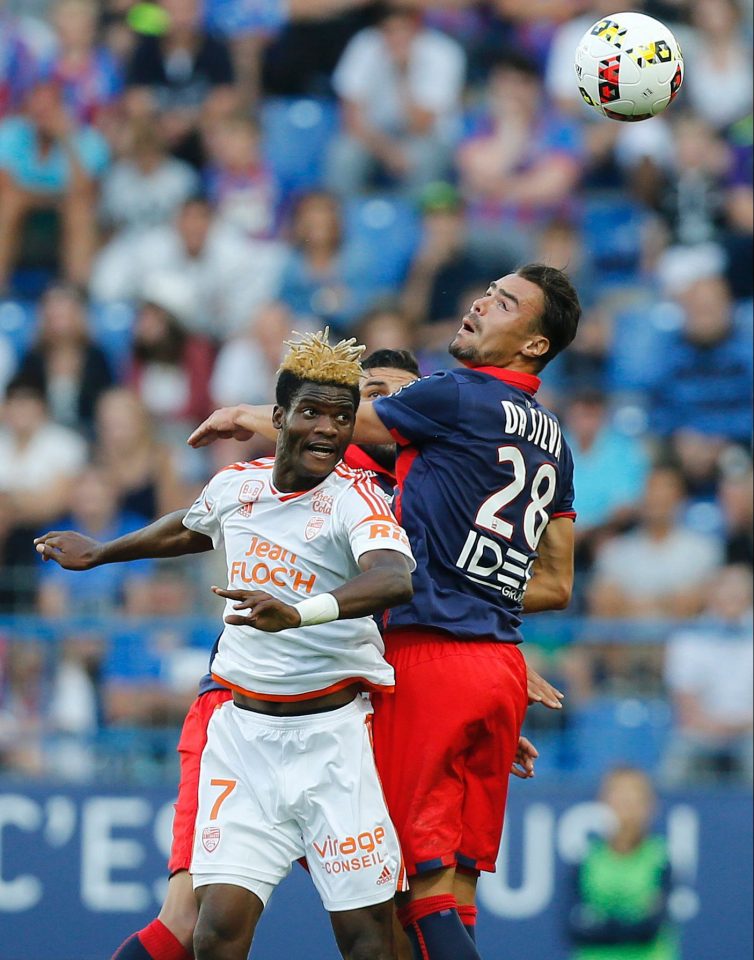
[
  {"x": 296, "y": 132},
  {"x": 383, "y": 230},
  {"x": 18, "y": 323},
  {"x": 111, "y": 326},
  {"x": 609, "y": 731},
  {"x": 612, "y": 228},
  {"x": 642, "y": 337}
]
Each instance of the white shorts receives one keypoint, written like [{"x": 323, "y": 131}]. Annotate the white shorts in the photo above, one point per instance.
[{"x": 274, "y": 789}]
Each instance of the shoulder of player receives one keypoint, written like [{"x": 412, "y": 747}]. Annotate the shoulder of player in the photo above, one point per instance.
[
  {"x": 243, "y": 470},
  {"x": 360, "y": 486}
]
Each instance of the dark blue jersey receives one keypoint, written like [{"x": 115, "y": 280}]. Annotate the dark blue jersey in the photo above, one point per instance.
[
  {"x": 208, "y": 682},
  {"x": 481, "y": 470}
]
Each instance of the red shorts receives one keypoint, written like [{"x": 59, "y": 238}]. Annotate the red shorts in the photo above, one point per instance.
[
  {"x": 444, "y": 744},
  {"x": 190, "y": 747}
]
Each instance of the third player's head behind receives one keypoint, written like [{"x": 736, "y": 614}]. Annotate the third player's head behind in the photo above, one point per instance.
[
  {"x": 386, "y": 372},
  {"x": 523, "y": 320},
  {"x": 317, "y": 396}
]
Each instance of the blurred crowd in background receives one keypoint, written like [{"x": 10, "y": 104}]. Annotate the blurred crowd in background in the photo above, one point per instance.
[{"x": 184, "y": 184}]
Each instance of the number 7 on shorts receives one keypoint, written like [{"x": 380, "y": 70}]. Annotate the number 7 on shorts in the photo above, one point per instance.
[{"x": 228, "y": 787}]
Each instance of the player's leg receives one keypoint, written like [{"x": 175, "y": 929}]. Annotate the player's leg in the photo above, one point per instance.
[
  {"x": 170, "y": 935},
  {"x": 403, "y": 948},
  {"x": 244, "y": 837},
  {"x": 365, "y": 934},
  {"x": 501, "y": 704},
  {"x": 464, "y": 890},
  {"x": 431, "y": 918},
  {"x": 351, "y": 844},
  {"x": 179, "y": 909},
  {"x": 228, "y": 916},
  {"x": 420, "y": 750},
  {"x": 445, "y": 771}
]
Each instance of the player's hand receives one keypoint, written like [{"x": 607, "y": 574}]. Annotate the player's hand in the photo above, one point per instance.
[
  {"x": 523, "y": 763},
  {"x": 73, "y": 551},
  {"x": 541, "y": 691},
  {"x": 219, "y": 425},
  {"x": 265, "y": 612}
]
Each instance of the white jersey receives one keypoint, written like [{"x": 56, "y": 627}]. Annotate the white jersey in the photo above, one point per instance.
[{"x": 294, "y": 546}]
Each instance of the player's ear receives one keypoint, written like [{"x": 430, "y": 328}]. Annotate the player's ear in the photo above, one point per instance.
[
  {"x": 278, "y": 417},
  {"x": 536, "y": 347}
]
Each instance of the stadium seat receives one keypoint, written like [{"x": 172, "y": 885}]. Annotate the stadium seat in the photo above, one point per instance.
[
  {"x": 642, "y": 337},
  {"x": 612, "y": 228},
  {"x": 609, "y": 731},
  {"x": 296, "y": 132},
  {"x": 383, "y": 230},
  {"x": 18, "y": 323},
  {"x": 111, "y": 326}
]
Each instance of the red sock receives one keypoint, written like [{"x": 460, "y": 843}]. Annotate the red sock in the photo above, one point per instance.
[
  {"x": 468, "y": 915},
  {"x": 435, "y": 931},
  {"x": 161, "y": 943}
]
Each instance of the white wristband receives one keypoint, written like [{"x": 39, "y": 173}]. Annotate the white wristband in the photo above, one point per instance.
[{"x": 320, "y": 609}]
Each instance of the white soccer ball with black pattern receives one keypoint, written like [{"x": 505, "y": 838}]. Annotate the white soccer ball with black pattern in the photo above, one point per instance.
[{"x": 629, "y": 67}]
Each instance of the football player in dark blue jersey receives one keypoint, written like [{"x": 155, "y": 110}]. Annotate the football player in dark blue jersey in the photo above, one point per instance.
[{"x": 485, "y": 487}]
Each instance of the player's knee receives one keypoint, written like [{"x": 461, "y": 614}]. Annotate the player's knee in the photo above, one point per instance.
[
  {"x": 216, "y": 942},
  {"x": 370, "y": 938},
  {"x": 371, "y": 946},
  {"x": 208, "y": 945}
]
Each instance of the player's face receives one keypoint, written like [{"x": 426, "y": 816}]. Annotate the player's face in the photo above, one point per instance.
[
  {"x": 315, "y": 432},
  {"x": 500, "y": 328},
  {"x": 382, "y": 381}
]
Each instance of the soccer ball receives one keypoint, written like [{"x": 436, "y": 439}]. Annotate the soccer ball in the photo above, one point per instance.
[{"x": 629, "y": 66}]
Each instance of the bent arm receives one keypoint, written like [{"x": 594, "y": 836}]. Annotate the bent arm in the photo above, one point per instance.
[
  {"x": 552, "y": 577},
  {"x": 384, "y": 582},
  {"x": 244, "y": 420},
  {"x": 166, "y": 537}
]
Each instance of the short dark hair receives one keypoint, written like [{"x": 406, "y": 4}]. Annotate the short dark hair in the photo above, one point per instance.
[
  {"x": 396, "y": 359},
  {"x": 25, "y": 386},
  {"x": 559, "y": 320},
  {"x": 289, "y": 385}
]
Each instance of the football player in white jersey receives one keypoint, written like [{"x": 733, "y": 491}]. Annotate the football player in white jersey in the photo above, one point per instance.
[{"x": 288, "y": 769}]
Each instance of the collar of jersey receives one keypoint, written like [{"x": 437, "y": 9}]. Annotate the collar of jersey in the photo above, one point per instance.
[
  {"x": 516, "y": 378},
  {"x": 292, "y": 494}
]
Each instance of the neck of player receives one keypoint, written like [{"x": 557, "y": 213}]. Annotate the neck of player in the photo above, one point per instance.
[{"x": 289, "y": 476}]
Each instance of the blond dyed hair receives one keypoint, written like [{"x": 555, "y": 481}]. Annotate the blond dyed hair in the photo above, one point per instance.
[{"x": 312, "y": 358}]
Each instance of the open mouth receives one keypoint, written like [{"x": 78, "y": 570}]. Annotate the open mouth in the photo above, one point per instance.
[
  {"x": 467, "y": 326},
  {"x": 321, "y": 450}
]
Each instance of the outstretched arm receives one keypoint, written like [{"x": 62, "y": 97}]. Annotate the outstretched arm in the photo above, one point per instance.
[
  {"x": 166, "y": 537},
  {"x": 243, "y": 421}
]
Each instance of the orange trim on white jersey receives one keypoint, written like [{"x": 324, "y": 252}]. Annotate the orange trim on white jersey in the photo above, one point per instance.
[
  {"x": 311, "y": 695},
  {"x": 246, "y": 465},
  {"x": 378, "y": 519},
  {"x": 376, "y": 504}
]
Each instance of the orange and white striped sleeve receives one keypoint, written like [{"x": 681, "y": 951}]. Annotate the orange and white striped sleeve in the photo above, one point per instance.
[{"x": 370, "y": 523}]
